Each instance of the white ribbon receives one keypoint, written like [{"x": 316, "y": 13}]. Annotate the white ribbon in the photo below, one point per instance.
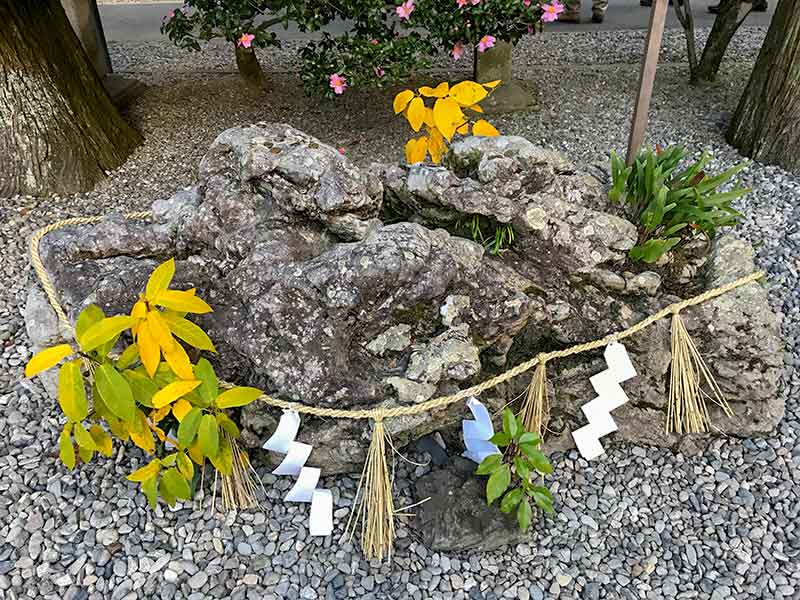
[
  {"x": 477, "y": 433},
  {"x": 610, "y": 395},
  {"x": 320, "y": 521}
]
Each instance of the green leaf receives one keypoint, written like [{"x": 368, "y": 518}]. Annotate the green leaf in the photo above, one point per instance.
[
  {"x": 543, "y": 501},
  {"x": 185, "y": 466},
  {"x": 510, "y": 500},
  {"x": 176, "y": 484},
  {"x": 89, "y": 316},
  {"x": 524, "y": 515},
  {"x": 538, "y": 460},
  {"x": 116, "y": 392},
  {"x": 104, "y": 331},
  {"x": 165, "y": 492},
  {"x": 654, "y": 249},
  {"x": 189, "y": 332},
  {"x": 209, "y": 386},
  {"x": 530, "y": 438},
  {"x": 85, "y": 454},
  {"x": 128, "y": 357},
  {"x": 208, "y": 436},
  {"x": 489, "y": 464},
  {"x": 83, "y": 437},
  {"x": 510, "y": 425},
  {"x": 66, "y": 451},
  {"x": 238, "y": 396},
  {"x": 501, "y": 438},
  {"x": 227, "y": 425},
  {"x": 522, "y": 468},
  {"x": 142, "y": 387},
  {"x": 223, "y": 461},
  {"x": 150, "y": 490},
  {"x": 71, "y": 393},
  {"x": 189, "y": 426},
  {"x": 498, "y": 483}
]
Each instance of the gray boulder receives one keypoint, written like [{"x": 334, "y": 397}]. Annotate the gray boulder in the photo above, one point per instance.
[{"x": 317, "y": 298}]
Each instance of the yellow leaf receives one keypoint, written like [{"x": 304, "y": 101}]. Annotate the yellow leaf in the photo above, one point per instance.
[
  {"x": 66, "y": 450},
  {"x": 179, "y": 362},
  {"x": 119, "y": 428},
  {"x": 475, "y": 108},
  {"x": 160, "y": 434},
  {"x": 141, "y": 434},
  {"x": 194, "y": 453},
  {"x": 463, "y": 130},
  {"x": 484, "y": 128},
  {"x": 436, "y": 146},
  {"x": 158, "y": 414},
  {"x": 468, "y": 93},
  {"x": 448, "y": 116},
  {"x": 401, "y": 101},
  {"x": 149, "y": 351},
  {"x": 181, "y": 408},
  {"x": 182, "y": 301},
  {"x": 416, "y": 149},
  {"x": 71, "y": 393},
  {"x": 47, "y": 358},
  {"x": 185, "y": 466},
  {"x": 138, "y": 312},
  {"x": 189, "y": 332},
  {"x": 146, "y": 472},
  {"x": 105, "y": 331},
  {"x": 82, "y": 437},
  {"x": 160, "y": 279},
  {"x": 102, "y": 441},
  {"x": 440, "y": 91},
  {"x": 238, "y": 396},
  {"x": 172, "y": 391},
  {"x": 492, "y": 84},
  {"x": 160, "y": 330},
  {"x": 429, "y": 120},
  {"x": 416, "y": 113}
]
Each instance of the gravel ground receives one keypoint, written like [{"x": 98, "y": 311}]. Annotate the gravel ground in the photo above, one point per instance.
[{"x": 637, "y": 523}]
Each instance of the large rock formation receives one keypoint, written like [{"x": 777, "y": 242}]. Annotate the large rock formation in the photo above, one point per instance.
[{"x": 348, "y": 287}]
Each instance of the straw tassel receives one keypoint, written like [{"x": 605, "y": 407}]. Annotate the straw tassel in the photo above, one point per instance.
[
  {"x": 239, "y": 489},
  {"x": 536, "y": 407},
  {"x": 691, "y": 384},
  {"x": 374, "y": 505}
]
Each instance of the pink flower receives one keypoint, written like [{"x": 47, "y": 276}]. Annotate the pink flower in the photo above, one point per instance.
[
  {"x": 374, "y": 42},
  {"x": 486, "y": 42},
  {"x": 246, "y": 40},
  {"x": 531, "y": 28},
  {"x": 338, "y": 83},
  {"x": 405, "y": 9},
  {"x": 170, "y": 14},
  {"x": 457, "y": 51},
  {"x": 379, "y": 72},
  {"x": 526, "y": 2},
  {"x": 551, "y": 11},
  {"x": 476, "y": 2},
  {"x": 342, "y": 151},
  {"x": 461, "y": 3}
]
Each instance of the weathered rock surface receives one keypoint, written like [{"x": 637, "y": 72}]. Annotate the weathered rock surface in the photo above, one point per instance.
[{"x": 317, "y": 299}]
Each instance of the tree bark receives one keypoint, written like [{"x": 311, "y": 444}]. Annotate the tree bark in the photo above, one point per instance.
[
  {"x": 766, "y": 125},
  {"x": 59, "y": 131},
  {"x": 725, "y": 26},
  {"x": 249, "y": 68}
]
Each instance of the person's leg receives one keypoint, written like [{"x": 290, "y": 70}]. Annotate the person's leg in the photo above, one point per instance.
[
  {"x": 572, "y": 14},
  {"x": 599, "y": 8}
]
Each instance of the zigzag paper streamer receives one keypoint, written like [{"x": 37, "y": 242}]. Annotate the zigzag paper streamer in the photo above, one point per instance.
[
  {"x": 320, "y": 521},
  {"x": 610, "y": 395},
  {"x": 477, "y": 433}
]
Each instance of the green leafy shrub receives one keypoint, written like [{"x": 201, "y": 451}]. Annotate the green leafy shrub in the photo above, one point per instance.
[
  {"x": 673, "y": 207},
  {"x": 511, "y": 473},
  {"x": 148, "y": 389},
  {"x": 502, "y": 238}
]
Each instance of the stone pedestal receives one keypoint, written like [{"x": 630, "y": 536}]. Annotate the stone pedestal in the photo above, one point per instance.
[{"x": 510, "y": 95}]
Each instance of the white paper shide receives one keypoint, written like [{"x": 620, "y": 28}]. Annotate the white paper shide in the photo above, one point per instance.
[
  {"x": 477, "y": 433},
  {"x": 320, "y": 521},
  {"x": 610, "y": 395}
]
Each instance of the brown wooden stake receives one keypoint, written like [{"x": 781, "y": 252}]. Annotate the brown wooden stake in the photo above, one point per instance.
[{"x": 658, "y": 17}]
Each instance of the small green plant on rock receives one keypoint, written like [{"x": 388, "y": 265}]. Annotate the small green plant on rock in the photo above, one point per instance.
[
  {"x": 673, "y": 207},
  {"x": 512, "y": 473},
  {"x": 147, "y": 389}
]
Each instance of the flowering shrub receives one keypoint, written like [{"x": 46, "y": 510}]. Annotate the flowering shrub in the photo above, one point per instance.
[
  {"x": 147, "y": 390},
  {"x": 445, "y": 118},
  {"x": 384, "y": 44}
]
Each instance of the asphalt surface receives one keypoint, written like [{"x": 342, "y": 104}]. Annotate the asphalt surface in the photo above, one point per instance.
[{"x": 140, "y": 21}]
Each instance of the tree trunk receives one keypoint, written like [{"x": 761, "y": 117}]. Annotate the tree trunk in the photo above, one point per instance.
[
  {"x": 725, "y": 26},
  {"x": 766, "y": 125},
  {"x": 59, "y": 132},
  {"x": 249, "y": 68}
]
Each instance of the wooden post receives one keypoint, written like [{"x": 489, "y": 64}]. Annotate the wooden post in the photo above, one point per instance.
[{"x": 658, "y": 17}]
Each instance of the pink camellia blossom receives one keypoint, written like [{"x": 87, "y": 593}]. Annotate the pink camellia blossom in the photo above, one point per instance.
[
  {"x": 475, "y": 2},
  {"x": 457, "y": 51},
  {"x": 461, "y": 3},
  {"x": 246, "y": 40},
  {"x": 338, "y": 83},
  {"x": 550, "y": 12},
  {"x": 379, "y": 72},
  {"x": 405, "y": 9},
  {"x": 526, "y": 2},
  {"x": 374, "y": 42},
  {"x": 531, "y": 28},
  {"x": 486, "y": 42}
]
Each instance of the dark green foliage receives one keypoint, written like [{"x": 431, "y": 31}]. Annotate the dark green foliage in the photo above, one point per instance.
[
  {"x": 511, "y": 474},
  {"x": 673, "y": 207}
]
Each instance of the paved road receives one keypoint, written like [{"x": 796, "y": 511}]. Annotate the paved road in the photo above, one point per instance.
[{"x": 140, "y": 22}]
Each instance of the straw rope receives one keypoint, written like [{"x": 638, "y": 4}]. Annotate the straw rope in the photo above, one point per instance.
[{"x": 380, "y": 413}]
